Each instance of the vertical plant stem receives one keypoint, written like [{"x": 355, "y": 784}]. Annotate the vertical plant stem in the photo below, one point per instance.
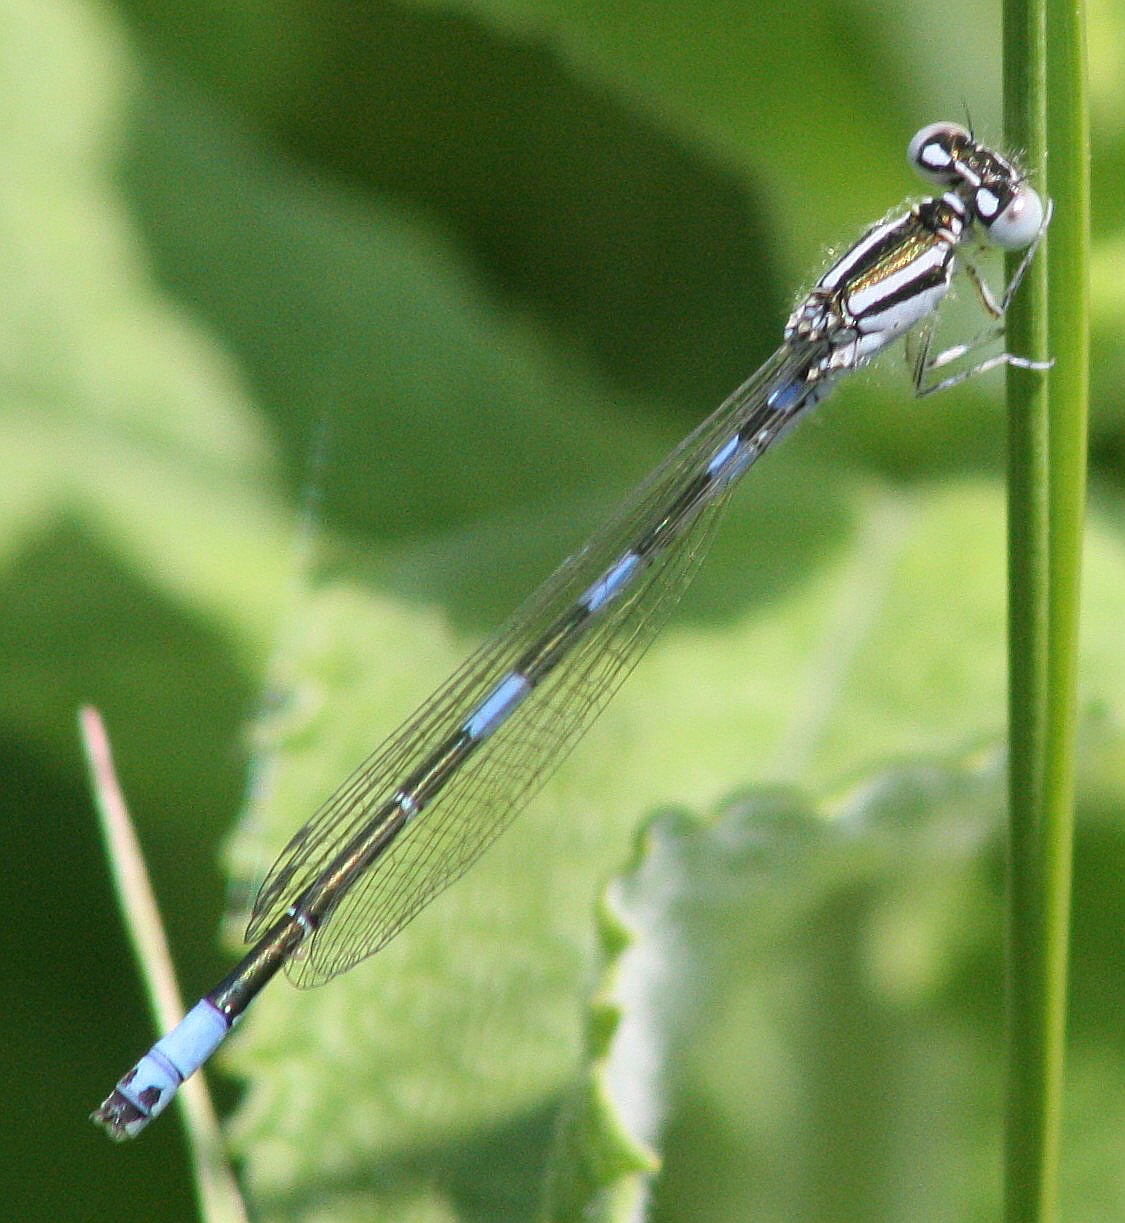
[
  {"x": 219, "y": 1198},
  {"x": 1045, "y": 114}
]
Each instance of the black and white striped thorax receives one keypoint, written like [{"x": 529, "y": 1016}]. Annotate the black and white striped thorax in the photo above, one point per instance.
[
  {"x": 892, "y": 278},
  {"x": 899, "y": 271}
]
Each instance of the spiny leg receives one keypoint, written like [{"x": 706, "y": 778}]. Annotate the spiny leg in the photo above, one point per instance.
[{"x": 918, "y": 344}]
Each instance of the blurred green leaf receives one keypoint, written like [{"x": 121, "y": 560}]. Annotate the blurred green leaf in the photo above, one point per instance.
[{"x": 808, "y": 1008}]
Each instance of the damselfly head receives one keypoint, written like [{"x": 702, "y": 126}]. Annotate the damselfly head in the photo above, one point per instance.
[
  {"x": 995, "y": 193},
  {"x": 938, "y": 153},
  {"x": 1011, "y": 214}
]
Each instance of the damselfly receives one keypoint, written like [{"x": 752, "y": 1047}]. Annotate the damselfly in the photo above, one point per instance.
[{"x": 417, "y": 813}]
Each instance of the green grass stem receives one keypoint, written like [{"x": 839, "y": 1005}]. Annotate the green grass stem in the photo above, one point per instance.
[{"x": 1046, "y": 116}]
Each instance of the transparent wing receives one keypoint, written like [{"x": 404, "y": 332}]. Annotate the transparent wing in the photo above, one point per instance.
[{"x": 478, "y": 801}]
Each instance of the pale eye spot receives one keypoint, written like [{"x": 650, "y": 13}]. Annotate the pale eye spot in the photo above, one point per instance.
[{"x": 987, "y": 203}]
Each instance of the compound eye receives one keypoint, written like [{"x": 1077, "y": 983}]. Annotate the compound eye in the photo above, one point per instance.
[
  {"x": 1011, "y": 225},
  {"x": 935, "y": 151}
]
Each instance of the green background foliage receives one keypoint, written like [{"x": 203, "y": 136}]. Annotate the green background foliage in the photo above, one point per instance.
[{"x": 328, "y": 328}]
